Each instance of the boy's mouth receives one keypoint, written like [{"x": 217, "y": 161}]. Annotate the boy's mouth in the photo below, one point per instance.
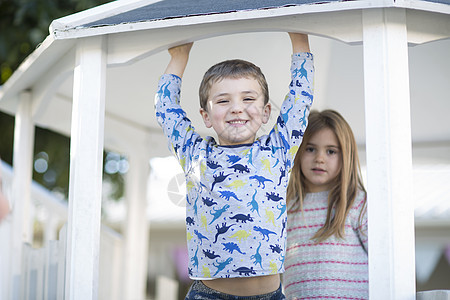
[{"x": 237, "y": 122}]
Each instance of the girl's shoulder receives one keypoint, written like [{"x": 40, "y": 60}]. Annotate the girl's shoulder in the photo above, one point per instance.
[
  {"x": 360, "y": 199},
  {"x": 359, "y": 206}
]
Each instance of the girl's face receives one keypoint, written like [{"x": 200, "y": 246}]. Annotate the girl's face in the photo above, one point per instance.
[{"x": 321, "y": 161}]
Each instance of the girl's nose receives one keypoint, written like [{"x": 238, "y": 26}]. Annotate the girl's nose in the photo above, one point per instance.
[{"x": 319, "y": 157}]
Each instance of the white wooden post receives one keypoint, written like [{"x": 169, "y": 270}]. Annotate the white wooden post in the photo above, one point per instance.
[
  {"x": 136, "y": 228},
  {"x": 86, "y": 163},
  {"x": 389, "y": 158},
  {"x": 51, "y": 270},
  {"x": 61, "y": 272},
  {"x": 21, "y": 187}
]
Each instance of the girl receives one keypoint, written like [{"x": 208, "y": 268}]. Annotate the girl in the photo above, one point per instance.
[{"x": 327, "y": 223}]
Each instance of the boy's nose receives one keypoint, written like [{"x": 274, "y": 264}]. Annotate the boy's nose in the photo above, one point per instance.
[{"x": 237, "y": 107}]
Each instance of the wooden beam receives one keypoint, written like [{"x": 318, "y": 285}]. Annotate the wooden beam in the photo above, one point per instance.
[
  {"x": 136, "y": 226},
  {"x": 389, "y": 155},
  {"x": 21, "y": 229},
  {"x": 86, "y": 165}
]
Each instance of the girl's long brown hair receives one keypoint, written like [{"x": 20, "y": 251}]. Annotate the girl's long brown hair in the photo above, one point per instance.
[{"x": 343, "y": 193}]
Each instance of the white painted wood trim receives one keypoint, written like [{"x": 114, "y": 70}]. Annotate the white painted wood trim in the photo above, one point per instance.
[
  {"x": 264, "y": 15},
  {"x": 97, "y": 13},
  {"x": 389, "y": 158},
  {"x": 21, "y": 229},
  {"x": 136, "y": 227},
  {"x": 424, "y": 5},
  {"x": 86, "y": 162}
]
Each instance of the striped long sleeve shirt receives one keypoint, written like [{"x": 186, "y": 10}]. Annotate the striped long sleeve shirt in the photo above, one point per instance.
[{"x": 333, "y": 269}]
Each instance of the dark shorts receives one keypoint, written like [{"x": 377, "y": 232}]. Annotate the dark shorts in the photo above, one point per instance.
[{"x": 199, "y": 291}]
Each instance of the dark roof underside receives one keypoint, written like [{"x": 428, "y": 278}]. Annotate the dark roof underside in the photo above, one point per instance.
[{"x": 169, "y": 9}]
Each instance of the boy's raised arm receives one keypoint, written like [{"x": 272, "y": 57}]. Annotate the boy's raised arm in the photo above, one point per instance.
[
  {"x": 179, "y": 57},
  {"x": 299, "y": 42}
]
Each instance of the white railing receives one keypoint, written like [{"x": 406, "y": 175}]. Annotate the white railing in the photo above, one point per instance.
[{"x": 43, "y": 269}]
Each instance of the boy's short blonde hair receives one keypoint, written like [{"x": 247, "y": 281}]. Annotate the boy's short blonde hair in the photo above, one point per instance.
[{"x": 235, "y": 69}]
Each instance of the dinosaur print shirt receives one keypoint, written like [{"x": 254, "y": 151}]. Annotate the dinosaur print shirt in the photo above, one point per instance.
[{"x": 236, "y": 208}]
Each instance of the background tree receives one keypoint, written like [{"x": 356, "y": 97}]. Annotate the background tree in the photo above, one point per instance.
[{"x": 23, "y": 25}]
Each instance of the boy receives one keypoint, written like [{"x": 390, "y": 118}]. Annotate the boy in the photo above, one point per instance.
[{"x": 236, "y": 208}]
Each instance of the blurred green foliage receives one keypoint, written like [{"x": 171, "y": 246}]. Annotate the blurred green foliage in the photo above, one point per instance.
[{"x": 23, "y": 25}]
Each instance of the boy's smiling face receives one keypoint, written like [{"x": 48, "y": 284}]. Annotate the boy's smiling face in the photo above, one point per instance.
[{"x": 236, "y": 110}]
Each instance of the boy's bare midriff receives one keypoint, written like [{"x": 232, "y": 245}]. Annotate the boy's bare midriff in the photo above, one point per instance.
[{"x": 248, "y": 286}]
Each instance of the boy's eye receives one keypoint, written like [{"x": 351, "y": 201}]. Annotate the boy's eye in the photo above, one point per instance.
[
  {"x": 249, "y": 99},
  {"x": 222, "y": 101}
]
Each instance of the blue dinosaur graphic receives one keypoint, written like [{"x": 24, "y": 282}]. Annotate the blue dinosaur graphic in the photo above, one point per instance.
[
  {"x": 190, "y": 221},
  {"x": 304, "y": 120},
  {"x": 265, "y": 148},
  {"x": 240, "y": 168},
  {"x": 210, "y": 255},
  {"x": 306, "y": 94},
  {"x": 250, "y": 157},
  {"x": 254, "y": 204},
  {"x": 280, "y": 122},
  {"x": 275, "y": 248},
  {"x": 227, "y": 195},
  {"x": 161, "y": 115},
  {"x": 208, "y": 202},
  {"x": 213, "y": 165},
  {"x": 302, "y": 71},
  {"x": 264, "y": 232},
  {"x": 284, "y": 227},
  {"x": 200, "y": 236},
  {"x": 245, "y": 271},
  {"x": 164, "y": 90},
  {"x": 273, "y": 197},
  {"x": 231, "y": 246},
  {"x": 218, "y": 212},
  {"x": 261, "y": 180},
  {"x": 195, "y": 206},
  {"x": 275, "y": 149},
  {"x": 282, "y": 262},
  {"x": 296, "y": 134},
  {"x": 282, "y": 174},
  {"x": 257, "y": 256},
  {"x": 233, "y": 158},
  {"x": 221, "y": 230},
  {"x": 282, "y": 209},
  {"x": 221, "y": 265},
  {"x": 187, "y": 144},
  {"x": 178, "y": 111},
  {"x": 285, "y": 142},
  {"x": 218, "y": 179},
  {"x": 241, "y": 217},
  {"x": 194, "y": 259},
  {"x": 176, "y": 147},
  {"x": 285, "y": 115},
  {"x": 176, "y": 134}
]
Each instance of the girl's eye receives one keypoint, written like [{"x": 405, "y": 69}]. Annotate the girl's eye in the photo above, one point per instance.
[
  {"x": 309, "y": 149},
  {"x": 331, "y": 152}
]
